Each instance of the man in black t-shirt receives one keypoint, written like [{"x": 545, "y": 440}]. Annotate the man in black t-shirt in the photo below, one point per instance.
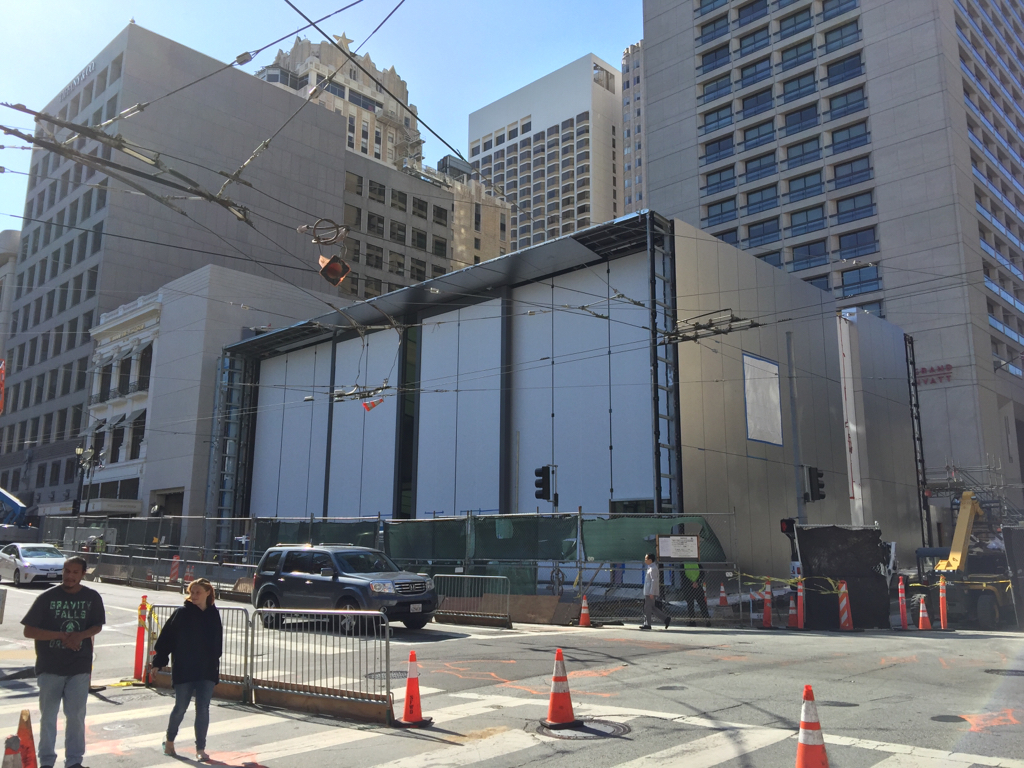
[{"x": 63, "y": 620}]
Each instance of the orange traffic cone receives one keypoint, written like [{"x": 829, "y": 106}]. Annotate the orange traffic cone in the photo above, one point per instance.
[
  {"x": 12, "y": 752},
  {"x": 845, "y": 616},
  {"x": 585, "y": 614},
  {"x": 560, "y": 713},
  {"x": 28, "y": 745},
  {"x": 923, "y": 622},
  {"x": 723, "y": 601},
  {"x": 766, "y": 616},
  {"x": 791, "y": 624},
  {"x": 413, "y": 716},
  {"x": 810, "y": 749}
]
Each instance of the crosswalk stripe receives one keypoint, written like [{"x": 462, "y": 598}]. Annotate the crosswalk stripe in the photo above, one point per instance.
[
  {"x": 469, "y": 753},
  {"x": 711, "y": 750},
  {"x": 916, "y": 761},
  {"x": 959, "y": 759},
  {"x": 338, "y": 736},
  {"x": 115, "y": 746}
]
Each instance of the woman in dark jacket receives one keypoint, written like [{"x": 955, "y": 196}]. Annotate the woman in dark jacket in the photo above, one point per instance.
[{"x": 194, "y": 637}]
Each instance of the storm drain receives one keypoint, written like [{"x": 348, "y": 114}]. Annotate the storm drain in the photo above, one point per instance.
[
  {"x": 591, "y": 729},
  {"x": 1006, "y": 672},
  {"x": 949, "y": 719},
  {"x": 395, "y": 675}
]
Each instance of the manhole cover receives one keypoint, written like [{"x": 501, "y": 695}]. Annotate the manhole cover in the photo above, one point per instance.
[
  {"x": 591, "y": 729},
  {"x": 395, "y": 675},
  {"x": 949, "y": 719},
  {"x": 672, "y": 688},
  {"x": 1006, "y": 672},
  {"x": 837, "y": 704}
]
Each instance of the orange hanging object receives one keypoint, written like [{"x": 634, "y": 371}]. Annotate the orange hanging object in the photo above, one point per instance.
[
  {"x": 413, "y": 715},
  {"x": 370, "y": 405},
  {"x": 560, "y": 714}
]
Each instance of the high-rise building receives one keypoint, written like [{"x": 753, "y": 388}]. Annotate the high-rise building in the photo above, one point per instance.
[
  {"x": 875, "y": 149},
  {"x": 90, "y": 245},
  {"x": 553, "y": 149},
  {"x": 10, "y": 241},
  {"x": 634, "y": 185},
  {"x": 377, "y": 124}
]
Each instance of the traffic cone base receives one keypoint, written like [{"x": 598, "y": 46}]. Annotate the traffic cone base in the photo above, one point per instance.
[
  {"x": 560, "y": 714},
  {"x": 810, "y": 748},
  {"x": 413, "y": 717},
  {"x": 28, "y": 743},
  {"x": 12, "y": 752},
  {"x": 723, "y": 601}
]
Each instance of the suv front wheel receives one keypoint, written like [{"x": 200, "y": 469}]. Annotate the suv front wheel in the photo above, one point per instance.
[{"x": 415, "y": 623}]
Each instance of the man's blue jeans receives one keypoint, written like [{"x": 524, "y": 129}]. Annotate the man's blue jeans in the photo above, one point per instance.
[
  {"x": 183, "y": 692},
  {"x": 74, "y": 692}
]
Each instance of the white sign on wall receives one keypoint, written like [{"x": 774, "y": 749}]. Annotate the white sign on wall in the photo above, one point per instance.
[
  {"x": 763, "y": 399},
  {"x": 678, "y": 547}
]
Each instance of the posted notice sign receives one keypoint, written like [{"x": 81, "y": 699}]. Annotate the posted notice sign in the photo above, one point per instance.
[{"x": 678, "y": 547}]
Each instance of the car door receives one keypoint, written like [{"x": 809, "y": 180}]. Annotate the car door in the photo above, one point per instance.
[
  {"x": 322, "y": 589},
  {"x": 294, "y": 580}
]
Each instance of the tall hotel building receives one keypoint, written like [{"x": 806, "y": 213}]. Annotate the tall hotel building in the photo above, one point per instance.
[
  {"x": 554, "y": 150},
  {"x": 874, "y": 148},
  {"x": 634, "y": 186}
]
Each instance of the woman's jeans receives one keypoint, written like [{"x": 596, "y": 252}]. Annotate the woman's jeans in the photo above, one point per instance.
[{"x": 183, "y": 692}]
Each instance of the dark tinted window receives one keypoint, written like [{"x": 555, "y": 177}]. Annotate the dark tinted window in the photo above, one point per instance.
[
  {"x": 297, "y": 562},
  {"x": 321, "y": 560},
  {"x": 270, "y": 562}
]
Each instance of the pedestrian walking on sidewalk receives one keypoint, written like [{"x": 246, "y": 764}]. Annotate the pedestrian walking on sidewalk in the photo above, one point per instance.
[
  {"x": 194, "y": 637},
  {"x": 652, "y": 592},
  {"x": 63, "y": 620}
]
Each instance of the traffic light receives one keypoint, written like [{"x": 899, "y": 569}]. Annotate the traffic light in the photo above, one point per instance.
[
  {"x": 788, "y": 525},
  {"x": 816, "y": 481},
  {"x": 543, "y": 483}
]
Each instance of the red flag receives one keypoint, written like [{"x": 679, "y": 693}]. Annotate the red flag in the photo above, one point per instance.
[{"x": 373, "y": 404}]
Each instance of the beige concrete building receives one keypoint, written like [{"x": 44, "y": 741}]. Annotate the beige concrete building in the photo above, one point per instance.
[
  {"x": 378, "y": 125},
  {"x": 876, "y": 150},
  {"x": 634, "y": 180},
  {"x": 554, "y": 149}
]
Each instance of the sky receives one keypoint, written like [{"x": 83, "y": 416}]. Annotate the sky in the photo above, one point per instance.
[{"x": 456, "y": 55}]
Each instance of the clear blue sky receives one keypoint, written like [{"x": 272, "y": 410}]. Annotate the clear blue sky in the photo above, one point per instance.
[{"x": 456, "y": 55}]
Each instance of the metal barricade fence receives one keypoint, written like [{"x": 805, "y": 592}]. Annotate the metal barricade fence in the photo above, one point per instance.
[
  {"x": 234, "y": 660},
  {"x": 473, "y": 597},
  {"x": 615, "y": 592},
  {"x": 332, "y": 654}
]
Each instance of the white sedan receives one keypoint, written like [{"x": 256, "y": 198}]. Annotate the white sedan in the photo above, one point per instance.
[{"x": 31, "y": 564}]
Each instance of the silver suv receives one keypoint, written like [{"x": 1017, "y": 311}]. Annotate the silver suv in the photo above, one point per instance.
[{"x": 336, "y": 577}]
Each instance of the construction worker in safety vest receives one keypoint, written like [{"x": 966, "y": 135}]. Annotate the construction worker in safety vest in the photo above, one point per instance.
[
  {"x": 693, "y": 585},
  {"x": 101, "y": 544}
]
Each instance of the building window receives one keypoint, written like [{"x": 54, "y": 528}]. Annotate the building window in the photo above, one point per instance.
[
  {"x": 440, "y": 248},
  {"x": 807, "y": 220},
  {"x": 717, "y": 119},
  {"x": 353, "y": 217},
  {"x": 798, "y": 54},
  {"x": 353, "y": 183},
  {"x": 757, "y": 103},
  {"x": 721, "y": 212},
  {"x": 755, "y": 73},
  {"x": 857, "y": 207},
  {"x": 715, "y": 88},
  {"x": 755, "y": 41},
  {"x": 417, "y": 270},
  {"x": 714, "y": 59},
  {"x": 762, "y": 133},
  {"x": 801, "y": 119},
  {"x": 397, "y": 232},
  {"x": 419, "y": 208},
  {"x": 717, "y": 150},
  {"x": 809, "y": 255},
  {"x": 440, "y": 216},
  {"x": 848, "y": 138},
  {"x": 762, "y": 199},
  {"x": 853, "y": 172},
  {"x": 374, "y": 256},
  {"x": 375, "y": 224},
  {"x": 398, "y": 200},
  {"x": 802, "y": 153},
  {"x": 372, "y": 287},
  {"x": 859, "y": 243},
  {"x": 803, "y": 187},
  {"x": 476, "y": 216},
  {"x": 821, "y": 283},
  {"x": 848, "y": 34},
  {"x": 396, "y": 264},
  {"x": 763, "y": 232},
  {"x": 796, "y": 22},
  {"x": 377, "y": 191},
  {"x": 846, "y": 103},
  {"x": 138, "y": 436},
  {"x": 760, "y": 167},
  {"x": 862, "y": 280},
  {"x": 844, "y": 69}
]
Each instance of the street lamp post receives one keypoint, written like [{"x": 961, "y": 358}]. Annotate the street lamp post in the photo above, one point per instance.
[{"x": 84, "y": 462}]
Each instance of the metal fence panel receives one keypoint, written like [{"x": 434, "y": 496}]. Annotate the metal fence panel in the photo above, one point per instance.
[
  {"x": 630, "y": 538},
  {"x": 420, "y": 540},
  {"x": 524, "y": 537},
  {"x": 333, "y": 654},
  {"x": 615, "y": 593},
  {"x": 234, "y": 658},
  {"x": 479, "y": 597}
]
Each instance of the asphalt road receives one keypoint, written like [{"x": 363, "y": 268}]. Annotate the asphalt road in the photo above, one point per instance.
[{"x": 686, "y": 697}]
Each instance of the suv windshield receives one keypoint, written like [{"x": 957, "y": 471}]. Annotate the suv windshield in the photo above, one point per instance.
[
  {"x": 41, "y": 552},
  {"x": 364, "y": 562}
]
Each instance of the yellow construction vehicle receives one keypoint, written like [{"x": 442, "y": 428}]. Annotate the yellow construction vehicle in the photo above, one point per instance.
[{"x": 977, "y": 583}]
